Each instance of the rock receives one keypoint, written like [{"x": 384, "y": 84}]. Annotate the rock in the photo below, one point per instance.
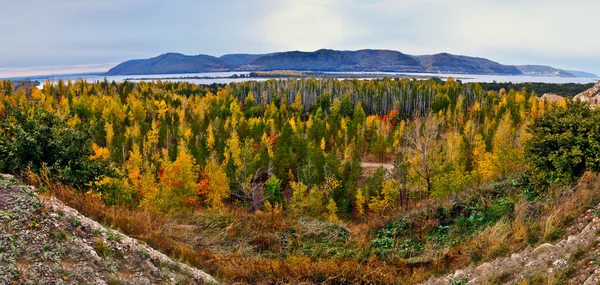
[
  {"x": 150, "y": 266},
  {"x": 551, "y": 97},
  {"x": 544, "y": 248},
  {"x": 593, "y": 279},
  {"x": 559, "y": 263},
  {"x": 484, "y": 267},
  {"x": 7, "y": 177},
  {"x": 592, "y": 96}
]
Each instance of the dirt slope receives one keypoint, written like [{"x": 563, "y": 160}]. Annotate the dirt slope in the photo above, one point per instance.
[
  {"x": 42, "y": 241},
  {"x": 572, "y": 260}
]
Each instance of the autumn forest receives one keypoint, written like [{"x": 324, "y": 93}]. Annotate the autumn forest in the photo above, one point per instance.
[{"x": 304, "y": 180}]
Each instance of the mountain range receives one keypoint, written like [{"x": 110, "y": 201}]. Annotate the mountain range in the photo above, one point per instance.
[{"x": 367, "y": 60}]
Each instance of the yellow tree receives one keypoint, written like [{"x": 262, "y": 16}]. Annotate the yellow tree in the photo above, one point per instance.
[
  {"x": 423, "y": 148},
  {"x": 297, "y": 106},
  {"x": 108, "y": 128},
  {"x": 299, "y": 202},
  {"x": 484, "y": 161},
  {"x": 234, "y": 150},
  {"x": 210, "y": 139},
  {"x": 332, "y": 210},
  {"x": 218, "y": 183},
  {"x": 360, "y": 202},
  {"x": 453, "y": 176},
  {"x": 507, "y": 152},
  {"x": 391, "y": 193},
  {"x": 151, "y": 143},
  {"x": 133, "y": 166},
  {"x": 177, "y": 182},
  {"x": 388, "y": 200}
]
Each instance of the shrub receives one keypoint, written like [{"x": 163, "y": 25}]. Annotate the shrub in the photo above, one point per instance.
[
  {"x": 565, "y": 142},
  {"x": 34, "y": 138}
]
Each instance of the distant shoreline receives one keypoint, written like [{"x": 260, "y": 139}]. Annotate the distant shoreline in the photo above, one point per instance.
[
  {"x": 295, "y": 74},
  {"x": 228, "y": 77}
]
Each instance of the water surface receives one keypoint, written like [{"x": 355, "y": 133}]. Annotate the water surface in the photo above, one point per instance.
[{"x": 224, "y": 77}]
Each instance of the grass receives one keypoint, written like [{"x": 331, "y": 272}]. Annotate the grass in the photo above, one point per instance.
[
  {"x": 112, "y": 236},
  {"x": 502, "y": 278},
  {"x": 74, "y": 221},
  {"x": 101, "y": 247},
  {"x": 61, "y": 236}
]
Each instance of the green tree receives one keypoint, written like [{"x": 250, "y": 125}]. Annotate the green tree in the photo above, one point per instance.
[
  {"x": 565, "y": 142},
  {"x": 273, "y": 190}
]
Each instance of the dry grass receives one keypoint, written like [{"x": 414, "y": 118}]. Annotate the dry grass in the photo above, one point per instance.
[
  {"x": 242, "y": 247},
  {"x": 569, "y": 203},
  {"x": 152, "y": 228},
  {"x": 493, "y": 242}
]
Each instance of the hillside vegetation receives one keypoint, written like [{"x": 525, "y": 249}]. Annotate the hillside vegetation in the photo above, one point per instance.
[{"x": 262, "y": 182}]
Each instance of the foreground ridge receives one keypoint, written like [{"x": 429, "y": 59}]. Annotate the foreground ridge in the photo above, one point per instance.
[
  {"x": 572, "y": 260},
  {"x": 44, "y": 241}
]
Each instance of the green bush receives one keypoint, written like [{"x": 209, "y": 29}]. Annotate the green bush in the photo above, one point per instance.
[
  {"x": 565, "y": 142},
  {"x": 31, "y": 137},
  {"x": 396, "y": 239}
]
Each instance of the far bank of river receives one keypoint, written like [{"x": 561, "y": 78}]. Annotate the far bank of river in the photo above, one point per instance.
[{"x": 228, "y": 77}]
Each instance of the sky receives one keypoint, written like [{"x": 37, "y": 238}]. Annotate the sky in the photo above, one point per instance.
[{"x": 68, "y": 36}]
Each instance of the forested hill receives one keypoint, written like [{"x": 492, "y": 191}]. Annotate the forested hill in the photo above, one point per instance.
[
  {"x": 449, "y": 63},
  {"x": 327, "y": 60},
  {"x": 179, "y": 63},
  {"x": 241, "y": 58},
  {"x": 541, "y": 70},
  {"x": 333, "y": 60},
  {"x": 170, "y": 63}
]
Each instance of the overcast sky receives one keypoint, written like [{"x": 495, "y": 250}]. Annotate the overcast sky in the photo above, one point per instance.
[{"x": 99, "y": 33}]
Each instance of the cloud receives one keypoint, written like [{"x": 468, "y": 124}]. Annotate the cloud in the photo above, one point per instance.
[
  {"x": 49, "y": 70},
  {"x": 72, "y": 32},
  {"x": 305, "y": 25},
  {"x": 551, "y": 32},
  {"x": 550, "y": 27}
]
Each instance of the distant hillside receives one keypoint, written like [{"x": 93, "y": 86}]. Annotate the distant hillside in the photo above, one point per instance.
[
  {"x": 171, "y": 63},
  {"x": 448, "y": 63},
  {"x": 542, "y": 70},
  {"x": 240, "y": 59},
  {"x": 582, "y": 74},
  {"x": 332, "y": 60}
]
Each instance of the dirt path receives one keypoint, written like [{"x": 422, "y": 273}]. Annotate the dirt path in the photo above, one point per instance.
[{"x": 375, "y": 165}]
